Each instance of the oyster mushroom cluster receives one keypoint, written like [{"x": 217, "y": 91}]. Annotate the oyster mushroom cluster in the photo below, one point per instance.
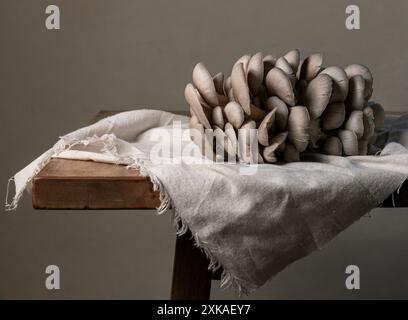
[{"x": 292, "y": 105}]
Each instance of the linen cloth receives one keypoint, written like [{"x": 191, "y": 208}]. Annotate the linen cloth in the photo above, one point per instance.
[{"x": 252, "y": 220}]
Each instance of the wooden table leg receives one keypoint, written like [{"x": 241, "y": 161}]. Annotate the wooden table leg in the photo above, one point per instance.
[{"x": 191, "y": 277}]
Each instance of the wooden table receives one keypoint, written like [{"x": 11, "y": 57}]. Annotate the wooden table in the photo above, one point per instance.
[{"x": 75, "y": 184}]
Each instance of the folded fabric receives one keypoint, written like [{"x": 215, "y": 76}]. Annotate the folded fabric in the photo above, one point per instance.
[{"x": 252, "y": 220}]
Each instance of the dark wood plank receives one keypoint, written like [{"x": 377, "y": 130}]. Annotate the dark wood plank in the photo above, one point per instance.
[
  {"x": 75, "y": 184},
  {"x": 191, "y": 277}
]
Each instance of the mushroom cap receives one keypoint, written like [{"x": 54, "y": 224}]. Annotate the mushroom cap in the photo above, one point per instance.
[
  {"x": 257, "y": 114},
  {"x": 311, "y": 66},
  {"x": 355, "y": 99},
  {"x": 293, "y": 58},
  {"x": 227, "y": 85},
  {"x": 340, "y": 83},
  {"x": 298, "y": 127},
  {"x": 240, "y": 87},
  {"x": 255, "y": 72},
  {"x": 275, "y": 144},
  {"x": 202, "y": 113},
  {"x": 359, "y": 69},
  {"x": 278, "y": 84},
  {"x": 218, "y": 117},
  {"x": 264, "y": 127},
  {"x": 218, "y": 80},
  {"x": 316, "y": 133},
  {"x": 202, "y": 101},
  {"x": 268, "y": 62},
  {"x": 234, "y": 114},
  {"x": 231, "y": 96},
  {"x": 317, "y": 95},
  {"x": 269, "y": 155},
  {"x": 204, "y": 83},
  {"x": 284, "y": 65},
  {"x": 332, "y": 146},
  {"x": 349, "y": 141},
  {"x": 244, "y": 60},
  {"x": 333, "y": 116},
  {"x": 230, "y": 132},
  {"x": 355, "y": 123},
  {"x": 282, "y": 111}
]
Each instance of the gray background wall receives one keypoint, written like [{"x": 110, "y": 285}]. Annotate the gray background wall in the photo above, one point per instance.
[{"x": 123, "y": 54}]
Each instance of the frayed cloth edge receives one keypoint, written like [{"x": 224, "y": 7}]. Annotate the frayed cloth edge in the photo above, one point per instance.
[{"x": 228, "y": 279}]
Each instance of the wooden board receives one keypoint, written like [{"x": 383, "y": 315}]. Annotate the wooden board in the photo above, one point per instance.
[{"x": 74, "y": 184}]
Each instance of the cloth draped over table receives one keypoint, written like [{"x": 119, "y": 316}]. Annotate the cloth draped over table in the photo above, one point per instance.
[{"x": 251, "y": 220}]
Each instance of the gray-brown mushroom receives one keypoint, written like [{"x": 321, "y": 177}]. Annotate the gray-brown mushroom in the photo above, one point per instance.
[
  {"x": 278, "y": 84},
  {"x": 255, "y": 72},
  {"x": 204, "y": 83},
  {"x": 282, "y": 111},
  {"x": 244, "y": 60},
  {"x": 234, "y": 114},
  {"x": 203, "y": 114},
  {"x": 218, "y": 80},
  {"x": 355, "y": 123},
  {"x": 340, "y": 83},
  {"x": 277, "y": 143},
  {"x": 268, "y": 62},
  {"x": 332, "y": 146},
  {"x": 284, "y": 65},
  {"x": 271, "y": 109},
  {"x": 311, "y": 66},
  {"x": 240, "y": 87},
  {"x": 355, "y": 99},
  {"x": 333, "y": 116},
  {"x": 361, "y": 70},
  {"x": 317, "y": 95},
  {"x": 349, "y": 141},
  {"x": 265, "y": 126},
  {"x": 293, "y": 58},
  {"x": 298, "y": 127},
  {"x": 218, "y": 117}
]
